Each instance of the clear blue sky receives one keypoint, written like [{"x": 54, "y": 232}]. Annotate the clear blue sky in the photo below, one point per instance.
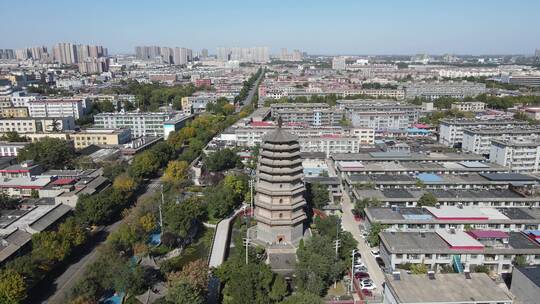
[{"x": 316, "y": 26}]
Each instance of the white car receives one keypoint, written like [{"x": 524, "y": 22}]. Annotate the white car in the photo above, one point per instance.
[
  {"x": 360, "y": 269},
  {"x": 368, "y": 286},
  {"x": 375, "y": 253}
]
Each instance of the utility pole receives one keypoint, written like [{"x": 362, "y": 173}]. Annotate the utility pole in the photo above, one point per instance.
[
  {"x": 247, "y": 243},
  {"x": 352, "y": 269},
  {"x": 337, "y": 244},
  {"x": 251, "y": 196}
]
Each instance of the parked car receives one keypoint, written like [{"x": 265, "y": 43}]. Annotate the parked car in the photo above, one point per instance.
[
  {"x": 359, "y": 262},
  {"x": 380, "y": 262},
  {"x": 367, "y": 281},
  {"x": 375, "y": 253},
  {"x": 364, "y": 234},
  {"x": 368, "y": 286},
  {"x": 361, "y": 275},
  {"x": 360, "y": 269}
]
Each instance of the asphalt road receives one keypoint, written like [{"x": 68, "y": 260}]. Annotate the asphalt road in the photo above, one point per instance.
[
  {"x": 64, "y": 283},
  {"x": 251, "y": 93}
]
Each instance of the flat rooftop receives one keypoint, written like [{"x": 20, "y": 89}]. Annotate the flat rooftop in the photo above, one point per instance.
[
  {"x": 446, "y": 288},
  {"x": 415, "y": 156},
  {"x": 454, "y": 195}
]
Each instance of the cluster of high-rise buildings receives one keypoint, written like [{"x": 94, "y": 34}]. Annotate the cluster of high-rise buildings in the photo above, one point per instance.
[
  {"x": 176, "y": 55},
  {"x": 251, "y": 54},
  {"x": 296, "y": 55}
]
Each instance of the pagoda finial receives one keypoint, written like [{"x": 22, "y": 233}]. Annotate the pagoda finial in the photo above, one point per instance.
[{"x": 279, "y": 122}]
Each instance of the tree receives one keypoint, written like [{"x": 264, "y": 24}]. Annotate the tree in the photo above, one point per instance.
[
  {"x": 183, "y": 292},
  {"x": 145, "y": 165},
  {"x": 124, "y": 183},
  {"x": 13, "y": 136},
  {"x": 520, "y": 261},
  {"x": 317, "y": 195},
  {"x": 51, "y": 153},
  {"x": 480, "y": 268},
  {"x": 148, "y": 222},
  {"x": 180, "y": 218},
  {"x": 373, "y": 234},
  {"x": 12, "y": 287},
  {"x": 303, "y": 298},
  {"x": 176, "y": 171},
  {"x": 195, "y": 272},
  {"x": 245, "y": 283},
  {"x": 279, "y": 289},
  {"x": 359, "y": 206},
  {"x": 6, "y": 202},
  {"x": 222, "y": 160},
  {"x": 419, "y": 268},
  {"x": 318, "y": 266},
  {"x": 427, "y": 199}
]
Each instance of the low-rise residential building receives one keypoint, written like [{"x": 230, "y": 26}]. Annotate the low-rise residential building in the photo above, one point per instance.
[
  {"x": 13, "y": 244},
  {"x": 313, "y": 114},
  {"x": 434, "y": 90},
  {"x": 469, "y": 106},
  {"x": 12, "y": 112},
  {"x": 140, "y": 123},
  {"x": 443, "y": 288},
  {"x": 107, "y": 137},
  {"x": 23, "y": 186},
  {"x": 197, "y": 104},
  {"x": 25, "y": 169},
  {"x": 422, "y": 219},
  {"x": 379, "y": 114},
  {"x": 461, "y": 250},
  {"x": 451, "y": 130},
  {"x": 57, "y": 108},
  {"x": 526, "y": 284},
  {"x": 36, "y": 125},
  {"x": 11, "y": 148},
  {"x": 478, "y": 140},
  {"x": 454, "y": 197},
  {"x": 34, "y": 220},
  {"x": 521, "y": 156}
]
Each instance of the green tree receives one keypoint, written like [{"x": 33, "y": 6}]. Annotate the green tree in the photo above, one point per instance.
[
  {"x": 427, "y": 199},
  {"x": 317, "y": 195},
  {"x": 318, "y": 266},
  {"x": 419, "y": 268},
  {"x": 520, "y": 261},
  {"x": 51, "y": 153},
  {"x": 145, "y": 165},
  {"x": 303, "y": 298},
  {"x": 183, "y": 292},
  {"x": 12, "y": 287},
  {"x": 180, "y": 218},
  {"x": 13, "y": 136},
  {"x": 373, "y": 234},
  {"x": 279, "y": 289},
  {"x": 176, "y": 171},
  {"x": 221, "y": 160}
]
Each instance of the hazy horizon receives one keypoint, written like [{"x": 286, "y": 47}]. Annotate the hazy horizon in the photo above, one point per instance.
[{"x": 326, "y": 28}]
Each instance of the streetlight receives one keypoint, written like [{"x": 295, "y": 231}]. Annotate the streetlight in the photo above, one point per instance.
[{"x": 352, "y": 268}]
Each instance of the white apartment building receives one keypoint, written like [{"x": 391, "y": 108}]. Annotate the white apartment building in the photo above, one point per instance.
[
  {"x": 451, "y": 130},
  {"x": 478, "y": 140},
  {"x": 57, "y": 108},
  {"x": 434, "y": 90},
  {"x": 11, "y": 148},
  {"x": 22, "y": 99},
  {"x": 469, "y": 106},
  {"x": 379, "y": 115},
  {"x": 458, "y": 249},
  {"x": 140, "y": 123},
  {"x": 522, "y": 156},
  {"x": 339, "y": 63}
]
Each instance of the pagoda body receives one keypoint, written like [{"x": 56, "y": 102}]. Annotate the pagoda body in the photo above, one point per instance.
[{"x": 279, "y": 201}]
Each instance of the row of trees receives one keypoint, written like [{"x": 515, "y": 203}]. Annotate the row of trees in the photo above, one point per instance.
[
  {"x": 247, "y": 85},
  {"x": 151, "y": 96}
]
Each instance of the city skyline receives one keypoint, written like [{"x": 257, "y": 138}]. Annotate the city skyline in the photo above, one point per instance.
[{"x": 458, "y": 27}]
